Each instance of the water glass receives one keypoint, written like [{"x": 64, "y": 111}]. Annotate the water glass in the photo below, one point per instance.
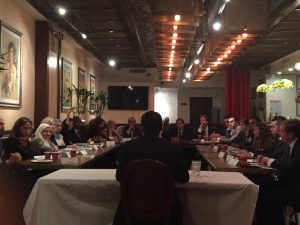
[{"x": 196, "y": 167}]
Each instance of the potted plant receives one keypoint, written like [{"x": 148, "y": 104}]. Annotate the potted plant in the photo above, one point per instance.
[
  {"x": 98, "y": 102},
  {"x": 82, "y": 96}
]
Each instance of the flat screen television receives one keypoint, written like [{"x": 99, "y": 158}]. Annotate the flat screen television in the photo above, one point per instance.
[{"x": 128, "y": 97}]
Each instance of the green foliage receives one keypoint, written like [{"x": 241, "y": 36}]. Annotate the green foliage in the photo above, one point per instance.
[{"x": 98, "y": 103}]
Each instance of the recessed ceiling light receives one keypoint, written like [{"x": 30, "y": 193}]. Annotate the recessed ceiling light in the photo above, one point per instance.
[
  {"x": 111, "y": 31},
  {"x": 279, "y": 72},
  {"x": 239, "y": 41},
  {"x": 244, "y": 35},
  {"x": 297, "y": 66},
  {"x": 170, "y": 69},
  {"x": 228, "y": 51},
  {"x": 227, "y": 0},
  {"x": 196, "y": 61},
  {"x": 225, "y": 55},
  {"x": 208, "y": 69},
  {"x": 62, "y": 11},
  {"x": 184, "y": 80},
  {"x": 217, "y": 25},
  {"x": 177, "y": 17},
  {"x": 175, "y": 27},
  {"x": 112, "y": 62},
  {"x": 290, "y": 69},
  {"x": 187, "y": 74},
  {"x": 173, "y": 51},
  {"x": 232, "y": 46},
  {"x": 83, "y": 36},
  {"x": 173, "y": 41},
  {"x": 173, "y": 46},
  {"x": 175, "y": 35}
]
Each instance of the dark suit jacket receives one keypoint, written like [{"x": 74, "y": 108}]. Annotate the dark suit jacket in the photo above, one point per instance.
[
  {"x": 210, "y": 131},
  {"x": 12, "y": 145},
  {"x": 136, "y": 132},
  {"x": 187, "y": 133},
  {"x": 278, "y": 150},
  {"x": 289, "y": 165},
  {"x": 154, "y": 148}
]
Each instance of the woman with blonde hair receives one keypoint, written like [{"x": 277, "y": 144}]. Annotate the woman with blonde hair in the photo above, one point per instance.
[{"x": 41, "y": 142}]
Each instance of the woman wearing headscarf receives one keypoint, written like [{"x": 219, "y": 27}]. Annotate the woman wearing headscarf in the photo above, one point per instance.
[{"x": 41, "y": 143}]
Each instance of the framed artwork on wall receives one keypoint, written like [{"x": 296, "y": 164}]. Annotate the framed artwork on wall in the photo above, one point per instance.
[
  {"x": 66, "y": 85},
  {"x": 92, "y": 89},
  {"x": 11, "y": 67},
  {"x": 81, "y": 78}
]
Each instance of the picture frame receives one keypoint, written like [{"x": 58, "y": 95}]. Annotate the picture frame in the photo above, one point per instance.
[
  {"x": 92, "y": 89},
  {"x": 11, "y": 75},
  {"x": 66, "y": 85},
  {"x": 81, "y": 78}
]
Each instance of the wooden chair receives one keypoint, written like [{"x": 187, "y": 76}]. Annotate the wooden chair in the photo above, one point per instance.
[{"x": 147, "y": 192}]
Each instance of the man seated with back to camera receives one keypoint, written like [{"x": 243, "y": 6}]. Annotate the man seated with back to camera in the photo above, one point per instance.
[{"x": 150, "y": 146}]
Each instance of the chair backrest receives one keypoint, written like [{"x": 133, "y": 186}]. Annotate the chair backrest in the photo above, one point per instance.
[{"x": 147, "y": 191}]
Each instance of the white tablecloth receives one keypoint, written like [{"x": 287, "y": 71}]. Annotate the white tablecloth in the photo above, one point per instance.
[{"x": 90, "y": 197}]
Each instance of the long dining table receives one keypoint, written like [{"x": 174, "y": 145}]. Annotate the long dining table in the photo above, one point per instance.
[{"x": 90, "y": 197}]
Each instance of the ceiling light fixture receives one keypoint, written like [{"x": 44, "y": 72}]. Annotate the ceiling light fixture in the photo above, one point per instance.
[
  {"x": 244, "y": 35},
  {"x": 83, "y": 36},
  {"x": 173, "y": 41},
  {"x": 239, "y": 41},
  {"x": 173, "y": 46},
  {"x": 62, "y": 11},
  {"x": 177, "y": 18},
  {"x": 112, "y": 62},
  {"x": 290, "y": 69},
  {"x": 111, "y": 31},
  {"x": 208, "y": 69},
  {"x": 175, "y": 27},
  {"x": 217, "y": 25},
  {"x": 187, "y": 75},
  {"x": 196, "y": 61},
  {"x": 170, "y": 69},
  {"x": 228, "y": 51},
  {"x": 184, "y": 81},
  {"x": 232, "y": 46},
  {"x": 200, "y": 48},
  {"x": 297, "y": 66},
  {"x": 279, "y": 72},
  {"x": 175, "y": 35}
]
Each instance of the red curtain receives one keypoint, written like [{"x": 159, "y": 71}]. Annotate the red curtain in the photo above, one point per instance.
[{"x": 238, "y": 92}]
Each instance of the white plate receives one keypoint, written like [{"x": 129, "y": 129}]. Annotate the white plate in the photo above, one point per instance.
[{"x": 41, "y": 161}]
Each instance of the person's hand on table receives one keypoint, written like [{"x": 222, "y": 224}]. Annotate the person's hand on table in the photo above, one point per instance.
[
  {"x": 15, "y": 157},
  {"x": 174, "y": 140},
  {"x": 265, "y": 160},
  {"x": 259, "y": 159},
  {"x": 244, "y": 155}
]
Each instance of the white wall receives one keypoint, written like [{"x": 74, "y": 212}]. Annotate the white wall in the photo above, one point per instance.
[{"x": 166, "y": 103}]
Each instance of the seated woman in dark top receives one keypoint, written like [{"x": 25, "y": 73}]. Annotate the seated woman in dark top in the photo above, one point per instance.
[
  {"x": 262, "y": 143},
  {"x": 41, "y": 143},
  {"x": 96, "y": 130},
  {"x": 16, "y": 147}
]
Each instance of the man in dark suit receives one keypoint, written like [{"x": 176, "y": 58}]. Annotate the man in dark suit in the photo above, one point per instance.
[
  {"x": 150, "y": 146},
  {"x": 287, "y": 190},
  {"x": 181, "y": 132},
  {"x": 204, "y": 129},
  {"x": 131, "y": 130}
]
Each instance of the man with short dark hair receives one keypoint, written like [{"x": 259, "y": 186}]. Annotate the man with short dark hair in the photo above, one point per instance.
[
  {"x": 287, "y": 190},
  {"x": 204, "y": 129},
  {"x": 235, "y": 136},
  {"x": 150, "y": 146}
]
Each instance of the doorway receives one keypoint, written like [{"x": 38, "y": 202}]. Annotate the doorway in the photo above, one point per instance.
[{"x": 200, "y": 106}]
